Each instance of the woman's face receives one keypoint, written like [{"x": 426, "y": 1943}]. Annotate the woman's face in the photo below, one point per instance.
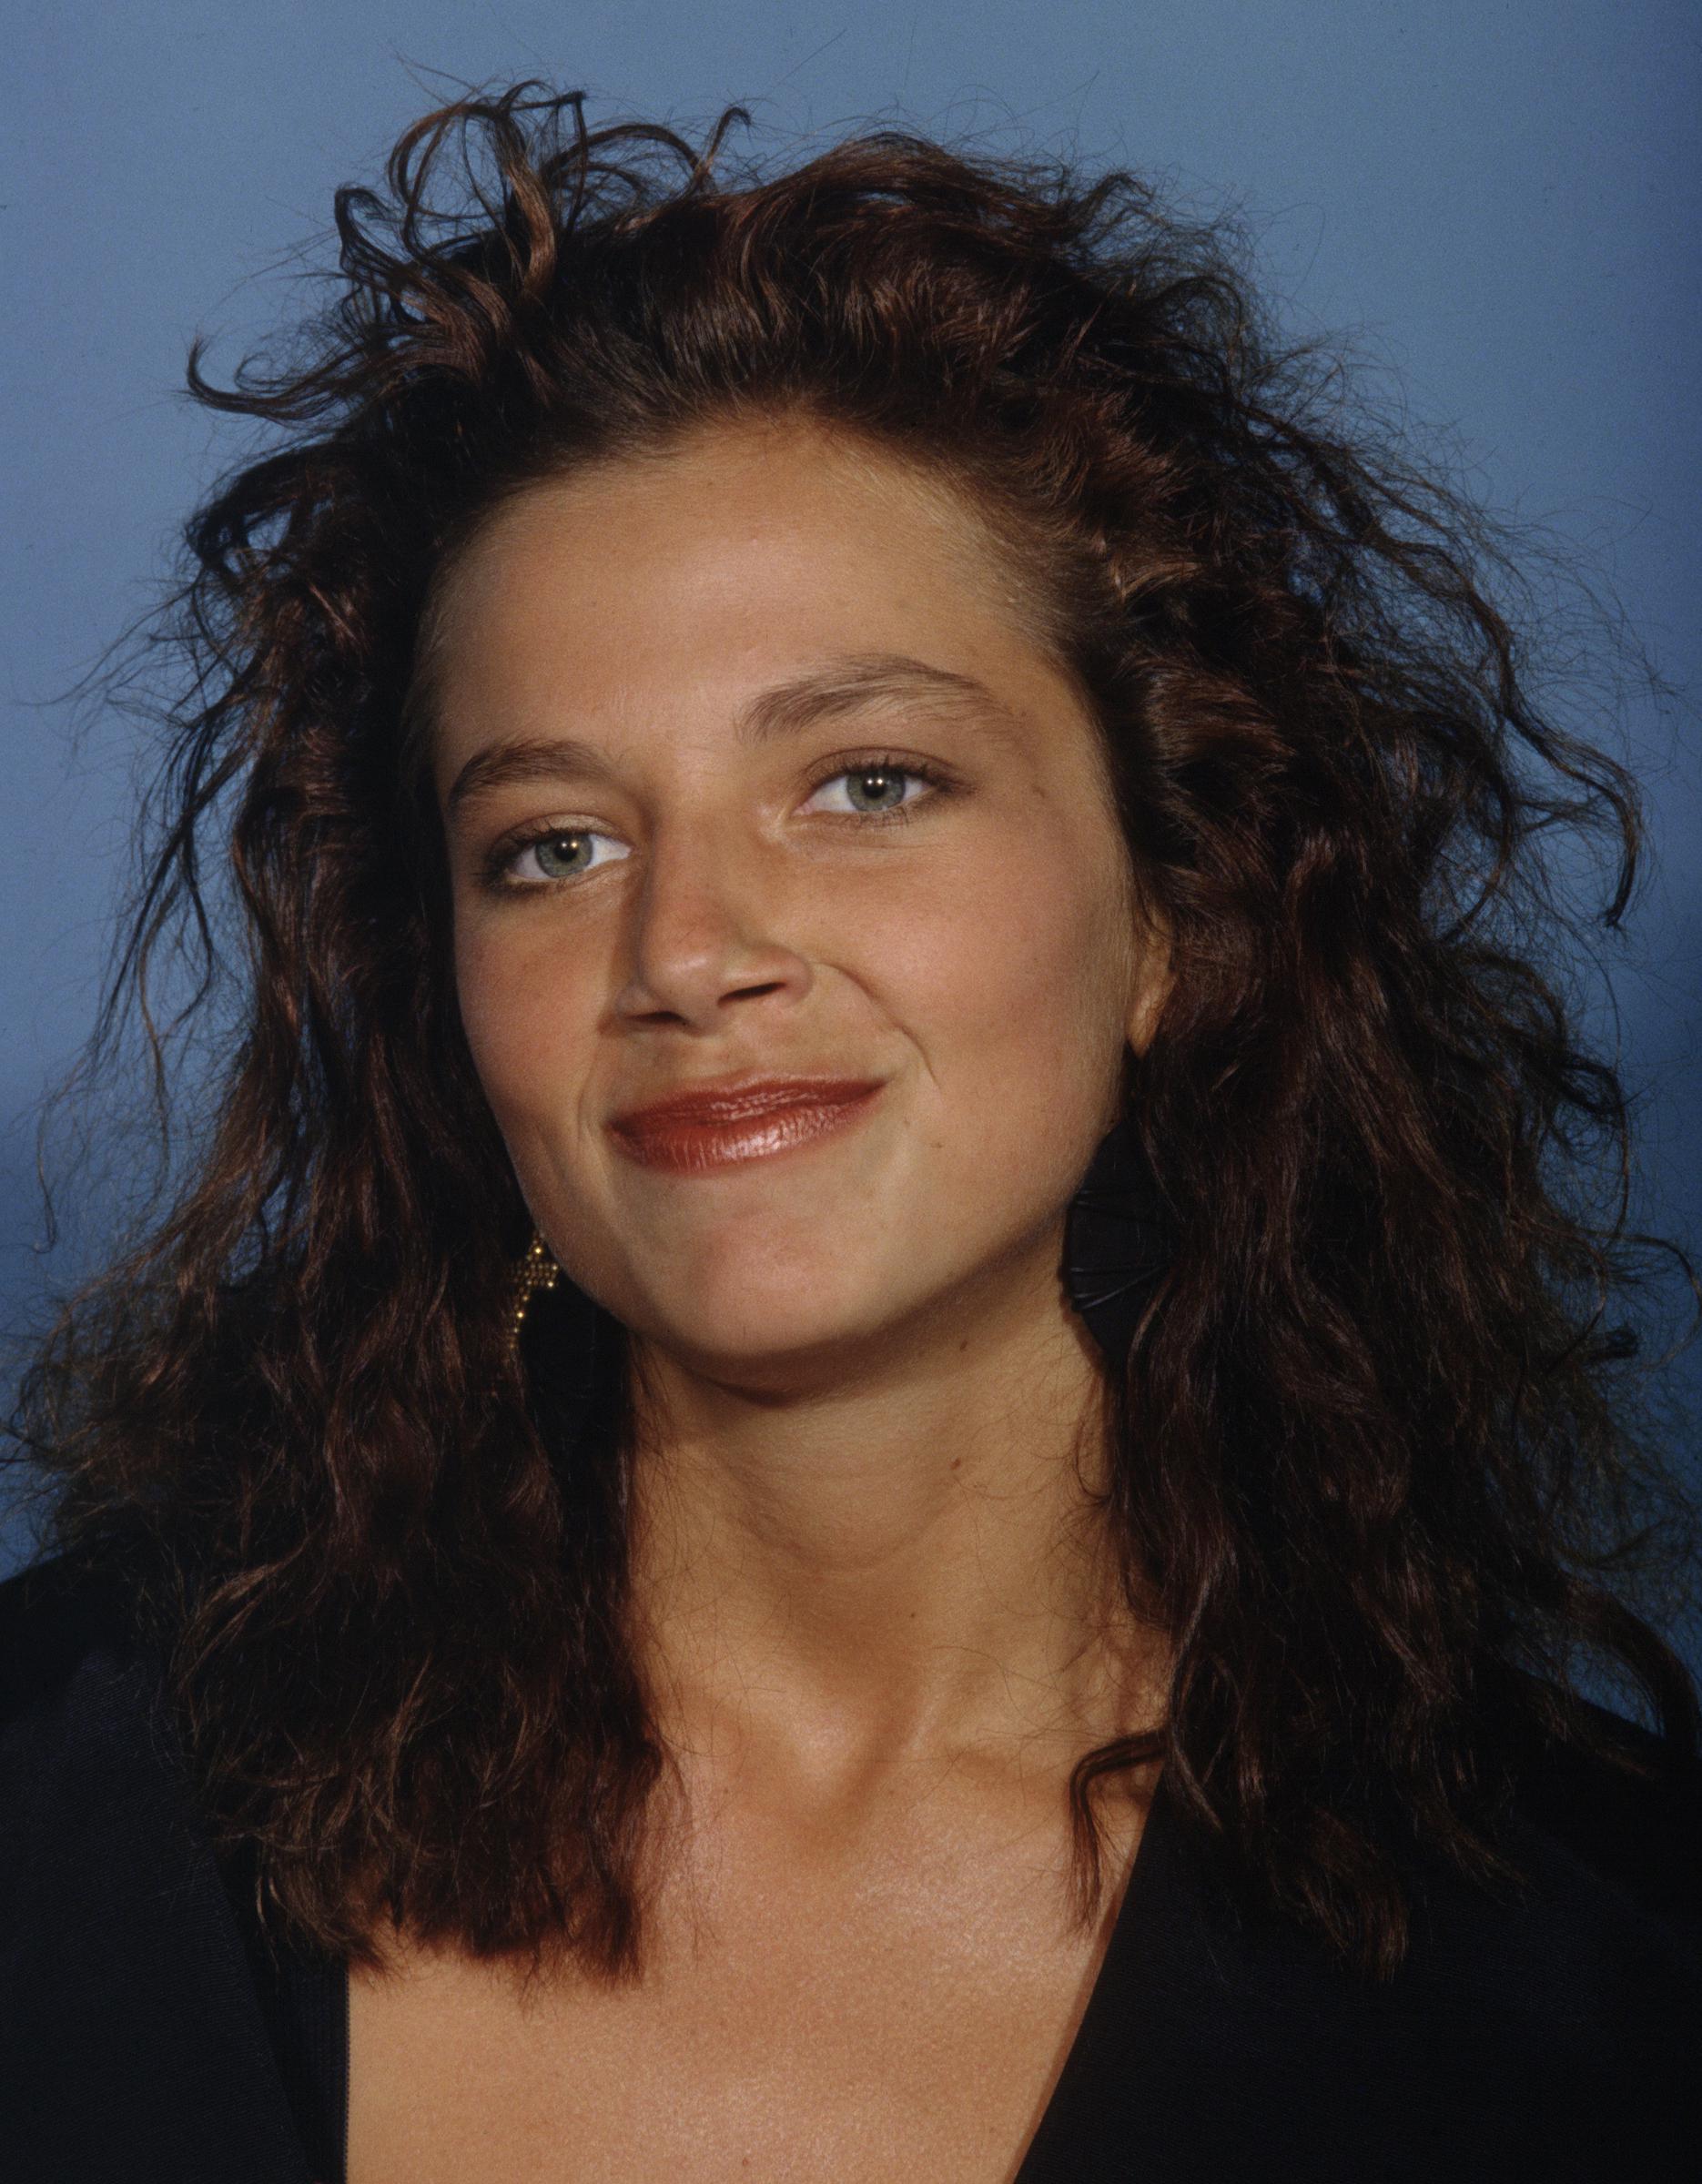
[{"x": 679, "y": 699}]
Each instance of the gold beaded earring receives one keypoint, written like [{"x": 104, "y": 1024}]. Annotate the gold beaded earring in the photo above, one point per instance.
[{"x": 535, "y": 1270}]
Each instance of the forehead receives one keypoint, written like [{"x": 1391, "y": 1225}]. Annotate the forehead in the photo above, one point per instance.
[
  {"x": 733, "y": 557},
  {"x": 783, "y": 503}
]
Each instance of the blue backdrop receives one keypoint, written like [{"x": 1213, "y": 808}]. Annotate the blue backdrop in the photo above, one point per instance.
[{"x": 1498, "y": 203}]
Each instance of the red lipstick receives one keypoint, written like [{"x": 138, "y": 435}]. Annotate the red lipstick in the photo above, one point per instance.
[{"x": 723, "y": 1124}]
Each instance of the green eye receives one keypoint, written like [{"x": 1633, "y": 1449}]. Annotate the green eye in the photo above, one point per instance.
[
  {"x": 883, "y": 786},
  {"x": 559, "y": 857},
  {"x": 567, "y": 854},
  {"x": 877, "y": 788}
]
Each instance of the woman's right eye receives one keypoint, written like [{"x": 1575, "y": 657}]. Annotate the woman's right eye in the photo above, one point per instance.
[{"x": 563, "y": 854}]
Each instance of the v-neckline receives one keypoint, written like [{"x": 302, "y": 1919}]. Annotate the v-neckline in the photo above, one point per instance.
[{"x": 1070, "y": 2103}]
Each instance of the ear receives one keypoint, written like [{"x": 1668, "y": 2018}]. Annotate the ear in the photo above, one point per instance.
[{"x": 1150, "y": 979}]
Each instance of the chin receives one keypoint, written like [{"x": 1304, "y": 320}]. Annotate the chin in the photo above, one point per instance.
[
  {"x": 746, "y": 1333},
  {"x": 779, "y": 1338}
]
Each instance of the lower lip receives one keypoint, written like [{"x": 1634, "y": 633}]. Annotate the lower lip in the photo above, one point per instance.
[{"x": 695, "y": 1148}]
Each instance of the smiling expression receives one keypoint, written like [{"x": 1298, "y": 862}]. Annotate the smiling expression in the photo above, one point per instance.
[{"x": 750, "y": 768}]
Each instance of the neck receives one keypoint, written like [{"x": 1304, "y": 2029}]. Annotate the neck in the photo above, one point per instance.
[{"x": 909, "y": 1563}]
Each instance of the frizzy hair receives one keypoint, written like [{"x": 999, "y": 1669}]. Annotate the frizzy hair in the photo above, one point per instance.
[{"x": 1376, "y": 1471}]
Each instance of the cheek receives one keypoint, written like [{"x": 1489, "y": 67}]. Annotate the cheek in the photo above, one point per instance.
[
  {"x": 1024, "y": 964},
  {"x": 1008, "y": 990},
  {"x": 524, "y": 1013}
]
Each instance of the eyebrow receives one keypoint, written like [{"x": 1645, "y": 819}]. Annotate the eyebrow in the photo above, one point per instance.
[{"x": 856, "y": 683}]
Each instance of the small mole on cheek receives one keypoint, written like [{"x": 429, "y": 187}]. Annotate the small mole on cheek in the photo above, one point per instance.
[{"x": 955, "y": 1462}]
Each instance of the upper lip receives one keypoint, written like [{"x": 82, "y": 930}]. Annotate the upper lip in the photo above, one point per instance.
[{"x": 738, "y": 1098}]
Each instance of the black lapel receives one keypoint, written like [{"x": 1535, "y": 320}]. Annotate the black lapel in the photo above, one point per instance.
[
  {"x": 1545, "y": 2039},
  {"x": 131, "y": 2041}
]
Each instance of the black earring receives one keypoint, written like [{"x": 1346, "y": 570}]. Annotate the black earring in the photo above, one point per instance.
[{"x": 1118, "y": 1242}]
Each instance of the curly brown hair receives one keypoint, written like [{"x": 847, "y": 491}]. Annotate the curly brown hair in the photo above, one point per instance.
[{"x": 1378, "y": 1465}]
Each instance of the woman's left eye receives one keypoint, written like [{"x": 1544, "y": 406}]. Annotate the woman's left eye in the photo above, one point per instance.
[{"x": 876, "y": 789}]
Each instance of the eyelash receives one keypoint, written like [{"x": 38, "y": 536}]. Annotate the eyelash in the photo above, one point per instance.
[{"x": 504, "y": 854}]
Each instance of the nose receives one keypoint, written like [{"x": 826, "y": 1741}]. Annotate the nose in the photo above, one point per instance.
[{"x": 706, "y": 931}]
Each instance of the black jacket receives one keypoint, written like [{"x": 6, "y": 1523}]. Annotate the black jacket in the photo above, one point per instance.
[{"x": 144, "y": 2034}]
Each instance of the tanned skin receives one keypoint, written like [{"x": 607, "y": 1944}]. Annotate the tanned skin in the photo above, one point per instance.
[{"x": 875, "y": 1614}]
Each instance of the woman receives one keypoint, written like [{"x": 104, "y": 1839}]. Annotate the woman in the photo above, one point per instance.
[{"x": 876, "y": 1436}]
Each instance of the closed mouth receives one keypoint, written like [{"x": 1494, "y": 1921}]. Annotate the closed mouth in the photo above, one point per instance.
[
  {"x": 718, "y": 1128},
  {"x": 731, "y": 1103}
]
